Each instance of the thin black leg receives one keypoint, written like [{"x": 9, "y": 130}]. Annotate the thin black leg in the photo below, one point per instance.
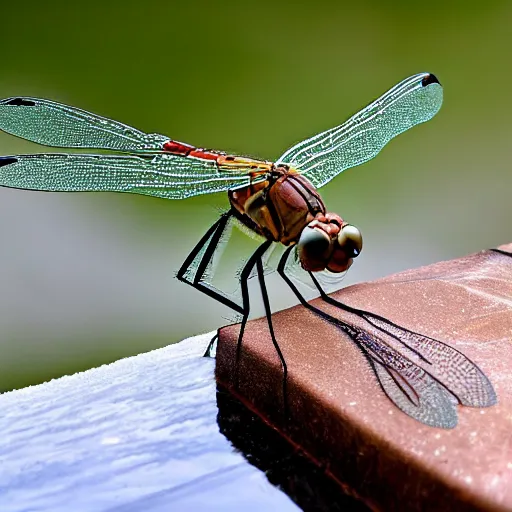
[
  {"x": 244, "y": 278},
  {"x": 211, "y": 240},
  {"x": 348, "y": 329},
  {"x": 212, "y": 237},
  {"x": 499, "y": 251},
  {"x": 375, "y": 320},
  {"x": 209, "y": 348},
  {"x": 268, "y": 313}
]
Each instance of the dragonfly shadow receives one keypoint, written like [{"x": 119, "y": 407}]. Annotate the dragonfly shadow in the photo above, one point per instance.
[{"x": 284, "y": 465}]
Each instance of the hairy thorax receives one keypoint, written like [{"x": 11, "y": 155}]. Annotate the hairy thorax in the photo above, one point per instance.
[{"x": 279, "y": 207}]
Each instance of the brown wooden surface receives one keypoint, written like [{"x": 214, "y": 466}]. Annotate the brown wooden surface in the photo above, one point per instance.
[{"x": 344, "y": 421}]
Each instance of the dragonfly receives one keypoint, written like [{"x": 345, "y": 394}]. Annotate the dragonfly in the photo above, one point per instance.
[{"x": 279, "y": 201}]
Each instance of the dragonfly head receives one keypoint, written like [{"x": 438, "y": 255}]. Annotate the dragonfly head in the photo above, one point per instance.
[{"x": 329, "y": 243}]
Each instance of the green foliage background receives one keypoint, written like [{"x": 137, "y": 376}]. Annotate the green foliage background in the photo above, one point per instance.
[{"x": 88, "y": 278}]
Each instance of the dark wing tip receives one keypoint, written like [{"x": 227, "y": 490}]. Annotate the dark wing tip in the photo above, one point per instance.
[
  {"x": 18, "y": 102},
  {"x": 430, "y": 79},
  {"x": 7, "y": 160}
]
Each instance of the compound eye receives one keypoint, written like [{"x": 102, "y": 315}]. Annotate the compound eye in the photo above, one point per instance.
[
  {"x": 350, "y": 240},
  {"x": 314, "y": 249}
]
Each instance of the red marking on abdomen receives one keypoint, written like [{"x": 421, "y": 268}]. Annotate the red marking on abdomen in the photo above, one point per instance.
[
  {"x": 178, "y": 148},
  {"x": 205, "y": 155},
  {"x": 182, "y": 149}
]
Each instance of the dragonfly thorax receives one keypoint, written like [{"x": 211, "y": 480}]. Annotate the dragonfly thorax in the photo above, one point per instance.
[
  {"x": 286, "y": 208},
  {"x": 278, "y": 207}
]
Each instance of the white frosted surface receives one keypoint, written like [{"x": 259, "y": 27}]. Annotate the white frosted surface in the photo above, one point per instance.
[{"x": 139, "y": 434}]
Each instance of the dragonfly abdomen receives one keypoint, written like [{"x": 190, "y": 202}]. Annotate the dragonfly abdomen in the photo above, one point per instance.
[{"x": 182, "y": 149}]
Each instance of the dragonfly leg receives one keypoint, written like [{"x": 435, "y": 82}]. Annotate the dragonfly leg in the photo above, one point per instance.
[
  {"x": 268, "y": 313},
  {"x": 376, "y": 321},
  {"x": 210, "y": 240},
  {"x": 379, "y": 322},
  {"x": 244, "y": 278},
  {"x": 281, "y": 269},
  {"x": 209, "y": 349},
  {"x": 499, "y": 251},
  {"x": 209, "y": 243}
]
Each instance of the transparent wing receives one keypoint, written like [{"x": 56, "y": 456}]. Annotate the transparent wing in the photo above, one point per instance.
[
  {"x": 322, "y": 157},
  {"x": 424, "y": 377},
  {"x": 161, "y": 175},
  {"x": 463, "y": 378},
  {"x": 408, "y": 385},
  {"x": 54, "y": 124}
]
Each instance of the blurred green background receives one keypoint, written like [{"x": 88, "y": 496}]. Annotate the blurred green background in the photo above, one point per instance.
[{"x": 89, "y": 278}]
